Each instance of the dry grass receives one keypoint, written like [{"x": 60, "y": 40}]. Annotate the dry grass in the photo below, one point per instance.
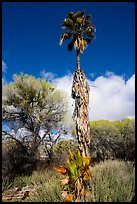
[{"x": 113, "y": 181}]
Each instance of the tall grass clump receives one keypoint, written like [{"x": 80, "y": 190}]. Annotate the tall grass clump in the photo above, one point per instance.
[
  {"x": 113, "y": 181},
  {"x": 45, "y": 186}
]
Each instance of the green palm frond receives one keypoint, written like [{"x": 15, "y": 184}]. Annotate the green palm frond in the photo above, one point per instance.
[
  {"x": 89, "y": 32},
  {"x": 88, "y": 19},
  {"x": 88, "y": 40},
  {"x": 89, "y": 16},
  {"x": 90, "y": 35},
  {"x": 79, "y": 14},
  {"x": 68, "y": 24},
  {"x": 79, "y": 30},
  {"x": 71, "y": 44},
  {"x": 65, "y": 36},
  {"x": 79, "y": 20},
  {"x": 70, "y": 15},
  {"x": 77, "y": 43}
]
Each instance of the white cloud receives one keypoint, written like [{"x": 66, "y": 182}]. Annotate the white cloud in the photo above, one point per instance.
[
  {"x": 4, "y": 66},
  {"x": 49, "y": 76},
  {"x": 3, "y": 81},
  {"x": 4, "y": 70},
  {"x": 65, "y": 84},
  {"x": 112, "y": 98}
]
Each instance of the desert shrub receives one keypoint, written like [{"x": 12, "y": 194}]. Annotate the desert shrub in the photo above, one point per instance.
[
  {"x": 126, "y": 128},
  {"x": 16, "y": 159},
  {"x": 45, "y": 186},
  {"x": 112, "y": 139},
  {"x": 50, "y": 192},
  {"x": 113, "y": 181}
]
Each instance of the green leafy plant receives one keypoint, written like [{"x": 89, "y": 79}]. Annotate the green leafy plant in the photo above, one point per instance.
[{"x": 77, "y": 180}]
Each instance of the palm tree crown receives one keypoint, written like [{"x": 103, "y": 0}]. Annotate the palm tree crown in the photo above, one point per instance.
[{"x": 78, "y": 31}]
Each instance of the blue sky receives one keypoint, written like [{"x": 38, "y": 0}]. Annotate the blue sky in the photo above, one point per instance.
[
  {"x": 30, "y": 44},
  {"x": 31, "y": 33}
]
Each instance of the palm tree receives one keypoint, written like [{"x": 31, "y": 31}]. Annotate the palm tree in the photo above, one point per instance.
[{"x": 80, "y": 33}]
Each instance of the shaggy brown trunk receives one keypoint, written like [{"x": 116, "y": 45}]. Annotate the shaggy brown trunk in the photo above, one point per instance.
[{"x": 80, "y": 92}]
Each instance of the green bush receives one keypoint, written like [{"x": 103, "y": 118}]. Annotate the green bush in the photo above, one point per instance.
[
  {"x": 16, "y": 160},
  {"x": 44, "y": 186},
  {"x": 113, "y": 181},
  {"x": 61, "y": 150},
  {"x": 113, "y": 139}
]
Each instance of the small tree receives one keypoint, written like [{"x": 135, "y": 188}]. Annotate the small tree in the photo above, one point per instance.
[{"x": 35, "y": 105}]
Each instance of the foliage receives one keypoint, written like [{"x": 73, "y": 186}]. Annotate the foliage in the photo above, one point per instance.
[
  {"x": 78, "y": 30},
  {"x": 33, "y": 104},
  {"x": 37, "y": 99},
  {"x": 112, "y": 139},
  {"x": 16, "y": 160},
  {"x": 61, "y": 150},
  {"x": 43, "y": 186},
  {"x": 78, "y": 175},
  {"x": 112, "y": 181}
]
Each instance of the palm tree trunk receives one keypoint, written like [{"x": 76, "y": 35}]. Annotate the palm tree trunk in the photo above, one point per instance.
[
  {"x": 80, "y": 92},
  {"x": 78, "y": 59}
]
